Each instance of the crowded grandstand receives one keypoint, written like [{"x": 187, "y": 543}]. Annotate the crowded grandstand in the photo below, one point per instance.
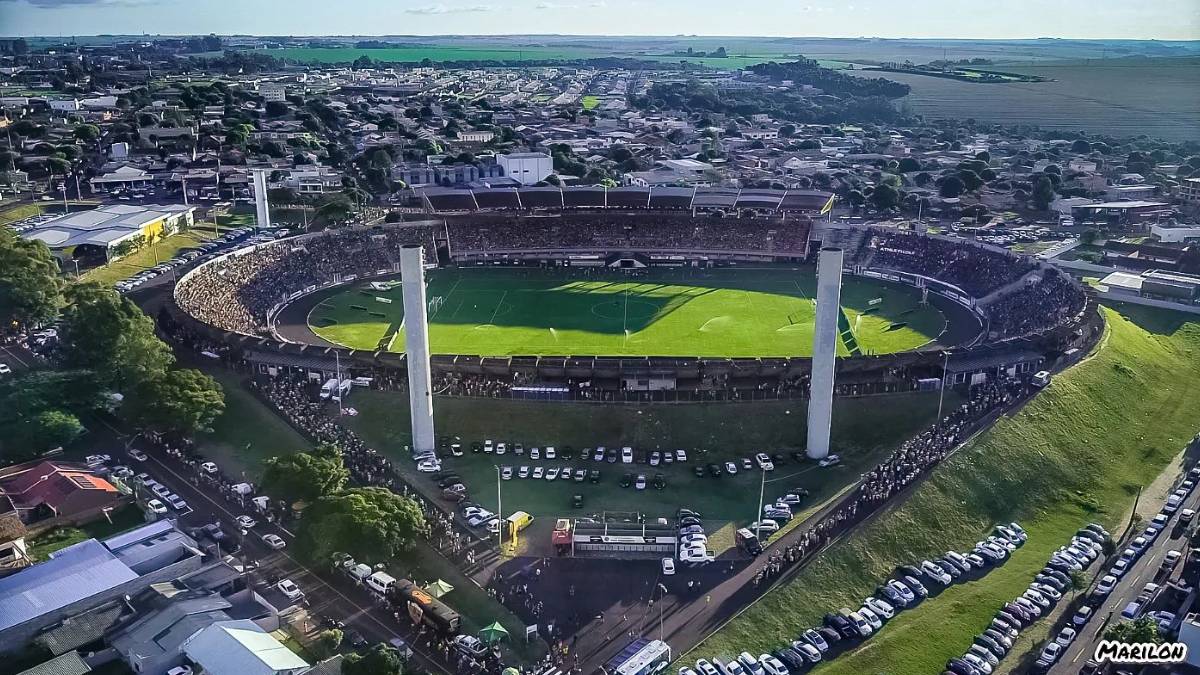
[{"x": 240, "y": 292}]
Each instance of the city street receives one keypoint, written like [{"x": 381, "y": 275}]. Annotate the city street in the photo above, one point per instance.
[
  {"x": 337, "y": 599},
  {"x": 1147, "y": 568}
]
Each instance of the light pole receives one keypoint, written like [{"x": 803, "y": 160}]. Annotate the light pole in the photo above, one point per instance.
[
  {"x": 762, "y": 491},
  {"x": 662, "y": 596},
  {"x": 942, "y": 389},
  {"x": 499, "y": 510}
]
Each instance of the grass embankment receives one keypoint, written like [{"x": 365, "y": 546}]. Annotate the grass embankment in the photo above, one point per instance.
[
  {"x": 146, "y": 257},
  {"x": 1075, "y": 454},
  {"x": 11, "y": 214},
  {"x": 41, "y": 546},
  {"x": 248, "y": 432}
]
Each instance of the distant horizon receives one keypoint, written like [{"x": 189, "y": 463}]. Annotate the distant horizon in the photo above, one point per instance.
[
  {"x": 696, "y": 36},
  {"x": 1162, "y": 20}
]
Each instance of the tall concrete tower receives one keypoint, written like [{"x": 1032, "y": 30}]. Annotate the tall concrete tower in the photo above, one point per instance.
[
  {"x": 261, "y": 207},
  {"x": 416, "y": 346},
  {"x": 824, "y": 353}
]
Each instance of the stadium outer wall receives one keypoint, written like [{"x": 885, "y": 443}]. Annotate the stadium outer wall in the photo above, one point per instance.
[{"x": 268, "y": 353}]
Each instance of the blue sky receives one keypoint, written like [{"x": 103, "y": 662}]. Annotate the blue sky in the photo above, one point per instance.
[{"x": 1156, "y": 19}]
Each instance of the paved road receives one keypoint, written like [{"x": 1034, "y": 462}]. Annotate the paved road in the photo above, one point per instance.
[
  {"x": 327, "y": 596},
  {"x": 1146, "y": 569}
]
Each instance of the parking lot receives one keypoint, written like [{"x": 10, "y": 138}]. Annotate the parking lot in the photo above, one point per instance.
[{"x": 723, "y": 487}]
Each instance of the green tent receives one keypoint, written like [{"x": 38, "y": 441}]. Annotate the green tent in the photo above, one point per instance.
[
  {"x": 493, "y": 633},
  {"x": 438, "y": 588}
]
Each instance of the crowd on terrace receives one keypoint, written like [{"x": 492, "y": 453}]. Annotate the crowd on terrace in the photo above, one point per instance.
[{"x": 237, "y": 292}]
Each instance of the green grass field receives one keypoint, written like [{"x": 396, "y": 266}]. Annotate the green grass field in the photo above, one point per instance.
[
  {"x": 13, "y": 213},
  {"x": 724, "y": 312},
  {"x": 1076, "y": 453},
  {"x": 42, "y": 545}
]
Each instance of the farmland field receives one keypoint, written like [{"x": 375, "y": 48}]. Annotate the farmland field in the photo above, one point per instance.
[
  {"x": 744, "y": 312},
  {"x": 1156, "y": 97},
  {"x": 1079, "y": 452}
]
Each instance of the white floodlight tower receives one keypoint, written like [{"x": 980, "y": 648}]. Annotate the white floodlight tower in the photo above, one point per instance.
[
  {"x": 416, "y": 346},
  {"x": 824, "y": 352},
  {"x": 261, "y": 207}
]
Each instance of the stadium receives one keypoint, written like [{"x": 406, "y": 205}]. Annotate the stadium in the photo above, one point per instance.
[{"x": 580, "y": 291}]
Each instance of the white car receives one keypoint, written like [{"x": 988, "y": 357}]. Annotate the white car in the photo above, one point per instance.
[
  {"x": 156, "y": 507},
  {"x": 177, "y": 503},
  {"x": 680, "y": 455},
  {"x": 97, "y": 459},
  {"x": 883, "y": 609},
  {"x": 1065, "y": 636},
  {"x": 138, "y": 455},
  {"x": 4, "y": 369},
  {"x": 872, "y": 618},
  {"x": 1106, "y": 584},
  {"x": 936, "y": 573},
  {"x": 814, "y": 639},
  {"x": 523, "y": 472},
  {"x": 640, "y": 483},
  {"x": 274, "y": 541},
  {"x": 180, "y": 670},
  {"x": 627, "y": 455},
  {"x": 501, "y": 448},
  {"x": 538, "y": 472},
  {"x": 977, "y": 663},
  {"x": 506, "y": 472},
  {"x": 245, "y": 522},
  {"x": 731, "y": 468},
  {"x": 487, "y": 446},
  {"x": 551, "y": 453},
  {"x": 289, "y": 589},
  {"x": 764, "y": 462},
  {"x": 668, "y": 566},
  {"x": 772, "y": 665},
  {"x": 535, "y": 453},
  {"x": 429, "y": 466},
  {"x": 209, "y": 468},
  {"x": 831, "y": 460},
  {"x": 764, "y": 526},
  {"x": 704, "y": 667},
  {"x": 552, "y": 473}
]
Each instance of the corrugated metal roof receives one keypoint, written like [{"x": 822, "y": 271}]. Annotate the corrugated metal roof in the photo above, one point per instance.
[
  {"x": 240, "y": 648},
  {"x": 72, "y": 574},
  {"x": 67, "y": 664}
]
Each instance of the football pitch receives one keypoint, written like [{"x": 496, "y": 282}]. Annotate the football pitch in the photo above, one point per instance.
[{"x": 731, "y": 312}]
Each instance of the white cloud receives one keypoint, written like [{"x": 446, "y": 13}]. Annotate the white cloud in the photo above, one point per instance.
[{"x": 443, "y": 9}]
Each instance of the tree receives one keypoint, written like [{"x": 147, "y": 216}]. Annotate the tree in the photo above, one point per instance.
[
  {"x": 1043, "y": 193},
  {"x": 328, "y": 641},
  {"x": 885, "y": 197},
  {"x": 277, "y": 109},
  {"x": 908, "y": 164},
  {"x": 335, "y": 207},
  {"x": 951, "y": 186},
  {"x": 371, "y": 523},
  {"x": 1081, "y": 147},
  {"x": 1144, "y": 629},
  {"x": 55, "y": 428},
  {"x": 1079, "y": 581},
  {"x": 787, "y": 130},
  {"x": 182, "y": 400},
  {"x": 379, "y": 660},
  {"x": 281, "y": 195},
  {"x": 30, "y": 288},
  {"x": 305, "y": 476},
  {"x": 971, "y": 180},
  {"x": 88, "y": 133},
  {"x": 107, "y": 333}
]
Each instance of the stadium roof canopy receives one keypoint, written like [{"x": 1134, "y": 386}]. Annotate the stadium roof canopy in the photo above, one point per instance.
[{"x": 595, "y": 197}]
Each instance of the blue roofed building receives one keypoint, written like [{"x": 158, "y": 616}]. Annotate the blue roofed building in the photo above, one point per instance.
[{"x": 88, "y": 574}]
